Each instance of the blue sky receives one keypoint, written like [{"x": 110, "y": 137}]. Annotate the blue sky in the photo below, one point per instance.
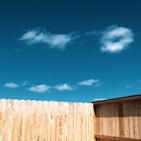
[{"x": 76, "y": 51}]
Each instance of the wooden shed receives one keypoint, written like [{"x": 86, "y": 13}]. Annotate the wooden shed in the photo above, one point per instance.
[{"x": 118, "y": 119}]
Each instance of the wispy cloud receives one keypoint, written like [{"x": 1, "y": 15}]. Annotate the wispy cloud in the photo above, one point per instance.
[
  {"x": 64, "y": 87},
  {"x": 89, "y": 82},
  {"x": 18, "y": 50},
  {"x": 99, "y": 99},
  {"x": 58, "y": 41},
  {"x": 11, "y": 85},
  {"x": 25, "y": 83},
  {"x": 115, "y": 39},
  {"x": 42, "y": 88},
  {"x": 94, "y": 32},
  {"x": 128, "y": 86},
  {"x": 98, "y": 84},
  {"x": 134, "y": 85}
]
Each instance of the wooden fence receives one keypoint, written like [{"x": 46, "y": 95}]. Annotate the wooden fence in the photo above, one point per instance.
[
  {"x": 109, "y": 120},
  {"x": 118, "y": 119},
  {"x": 46, "y": 121}
]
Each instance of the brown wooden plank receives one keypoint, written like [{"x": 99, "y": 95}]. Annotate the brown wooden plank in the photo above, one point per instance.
[
  {"x": 139, "y": 118},
  {"x": 48, "y": 121},
  {"x": 91, "y": 122},
  {"x": 66, "y": 121},
  {"x": 8, "y": 122},
  {"x": 32, "y": 119},
  {"x": 126, "y": 109},
  {"x": 75, "y": 122},
  {"x": 112, "y": 138},
  {"x": 79, "y": 120},
  {"x": 2, "y": 119},
  {"x": 137, "y": 105},
  {"x": 121, "y": 121},
  {"x": 103, "y": 120},
  {"x": 94, "y": 123},
  {"x": 71, "y": 122},
  {"x": 77, "y": 126},
  {"x": 40, "y": 108},
  {"x": 15, "y": 129},
  {"x": 131, "y": 119},
  {"x": 115, "y": 120},
  {"x": 27, "y": 120},
  {"x": 97, "y": 119},
  {"x": 83, "y": 122},
  {"x": 22, "y": 120},
  {"x": 45, "y": 121},
  {"x": 86, "y": 121},
  {"x": 55, "y": 121},
  {"x": 60, "y": 126}
]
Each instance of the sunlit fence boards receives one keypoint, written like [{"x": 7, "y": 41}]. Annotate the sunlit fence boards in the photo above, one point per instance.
[
  {"x": 118, "y": 119},
  {"x": 46, "y": 121},
  {"x": 108, "y": 120}
]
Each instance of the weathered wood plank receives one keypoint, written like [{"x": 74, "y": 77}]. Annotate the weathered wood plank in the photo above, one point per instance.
[
  {"x": 121, "y": 119},
  {"x": 71, "y": 122},
  {"x": 62, "y": 121},
  {"x": 32, "y": 120},
  {"x": 112, "y": 138}
]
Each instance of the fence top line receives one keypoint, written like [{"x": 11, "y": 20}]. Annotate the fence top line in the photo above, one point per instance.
[
  {"x": 31, "y": 100},
  {"x": 117, "y": 100}
]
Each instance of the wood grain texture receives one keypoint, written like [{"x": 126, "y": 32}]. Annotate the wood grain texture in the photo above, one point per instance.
[
  {"x": 62, "y": 121},
  {"x": 111, "y": 138},
  {"x": 119, "y": 120},
  {"x": 46, "y": 121}
]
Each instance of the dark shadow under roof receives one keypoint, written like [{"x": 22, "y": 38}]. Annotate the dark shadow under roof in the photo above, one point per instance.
[{"x": 116, "y": 100}]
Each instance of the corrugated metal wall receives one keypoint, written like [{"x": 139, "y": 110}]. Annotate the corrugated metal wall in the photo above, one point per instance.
[{"x": 46, "y": 121}]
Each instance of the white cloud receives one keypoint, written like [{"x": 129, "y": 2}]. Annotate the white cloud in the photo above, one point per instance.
[
  {"x": 64, "y": 87},
  {"x": 115, "y": 39},
  {"x": 40, "y": 88},
  {"x": 11, "y": 85},
  {"x": 99, "y": 99},
  {"x": 58, "y": 41},
  {"x": 89, "y": 82}
]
